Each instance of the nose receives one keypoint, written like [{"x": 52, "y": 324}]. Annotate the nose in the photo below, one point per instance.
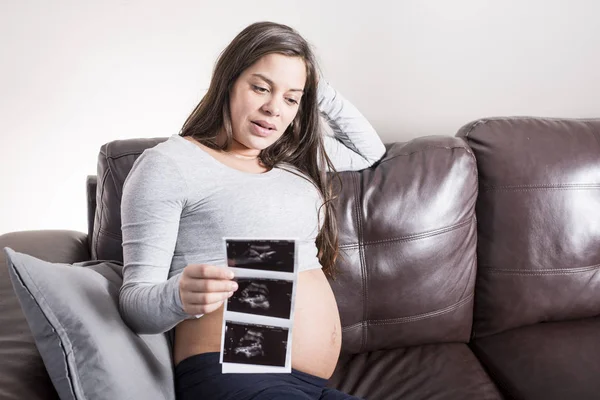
[{"x": 271, "y": 107}]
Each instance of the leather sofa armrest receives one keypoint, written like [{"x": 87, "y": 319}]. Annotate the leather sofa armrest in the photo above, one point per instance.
[
  {"x": 57, "y": 246},
  {"x": 22, "y": 371}
]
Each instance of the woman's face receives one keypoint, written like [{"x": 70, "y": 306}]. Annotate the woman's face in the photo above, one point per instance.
[{"x": 264, "y": 100}]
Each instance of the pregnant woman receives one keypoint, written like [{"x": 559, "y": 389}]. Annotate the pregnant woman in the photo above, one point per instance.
[{"x": 252, "y": 160}]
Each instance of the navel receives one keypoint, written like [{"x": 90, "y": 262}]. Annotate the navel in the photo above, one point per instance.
[{"x": 334, "y": 334}]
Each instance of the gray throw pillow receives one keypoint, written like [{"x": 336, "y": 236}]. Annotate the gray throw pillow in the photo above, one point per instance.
[{"x": 89, "y": 352}]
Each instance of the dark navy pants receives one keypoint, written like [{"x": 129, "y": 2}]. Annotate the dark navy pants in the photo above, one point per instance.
[{"x": 199, "y": 377}]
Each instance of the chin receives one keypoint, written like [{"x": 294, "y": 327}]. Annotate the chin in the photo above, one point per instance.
[{"x": 257, "y": 143}]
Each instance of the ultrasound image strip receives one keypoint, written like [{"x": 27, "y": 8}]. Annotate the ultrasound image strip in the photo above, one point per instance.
[{"x": 258, "y": 317}]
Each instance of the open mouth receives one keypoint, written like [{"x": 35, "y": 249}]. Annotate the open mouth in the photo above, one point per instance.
[{"x": 264, "y": 126}]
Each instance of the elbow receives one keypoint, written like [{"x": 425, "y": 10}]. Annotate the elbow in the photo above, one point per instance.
[
  {"x": 379, "y": 154},
  {"x": 144, "y": 314},
  {"x": 130, "y": 316},
  {"x": 125, "y": 312},
  {"x": 376, "y": 156},
  {"x": 376, "y": 150}
]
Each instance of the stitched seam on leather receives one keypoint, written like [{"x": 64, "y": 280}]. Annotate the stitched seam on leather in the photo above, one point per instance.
[
  {"x": 131, "y": 153},
  {"x": 98, "y": 228},
  {"x": 110, "y": 164},
  {"x": 472, "y": 153},
  {"x": 541, "y": 272},
  {"x": 474, "y": 270},
  {"x": 539, "y": 189},
  {"x": 542, "y": 185},
  {"x": 542, "y": 188},
  {"x": 413, "y": 318},
  {"x": 422, "y": 150},
  {"x": 533, "y": 118},
  {"x": 363, "y": 266},
  {"x": 473, "y": 265},
  {"x": 114, "y": 181},
  {"x": 475, "y": 125},
  {"x": 409, "y": 238},
  {"x": 594, "y": 131},
  {"x": 111, "y": 234},
  {"x": 91, "y": 204},
  {"x": 119, "y": 189}
]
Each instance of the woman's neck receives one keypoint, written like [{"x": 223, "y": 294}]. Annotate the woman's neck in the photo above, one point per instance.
[{"x": 236, "y": 148}]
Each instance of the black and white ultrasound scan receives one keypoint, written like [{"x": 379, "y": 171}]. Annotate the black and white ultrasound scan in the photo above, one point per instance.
[
  {"x": 258, "y": 318},
  {"x": 270, "y": 255},
  {"x": 269, "y": 297},
  {"x": 255, "y": 344}
]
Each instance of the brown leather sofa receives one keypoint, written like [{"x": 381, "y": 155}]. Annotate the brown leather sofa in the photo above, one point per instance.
[{"x": 469, "y": 271}]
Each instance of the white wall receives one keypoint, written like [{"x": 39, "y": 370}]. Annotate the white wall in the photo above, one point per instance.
[{"x": 77, "y": 74}]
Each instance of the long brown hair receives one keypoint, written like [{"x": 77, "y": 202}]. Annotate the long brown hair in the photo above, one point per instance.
[{"x": 301, "y": 145}]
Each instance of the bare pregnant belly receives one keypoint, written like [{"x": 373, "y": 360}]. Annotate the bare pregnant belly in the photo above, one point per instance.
[{"x": 316, "y": 335}]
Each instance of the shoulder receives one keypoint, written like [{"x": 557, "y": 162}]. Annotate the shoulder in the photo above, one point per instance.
[
  {"x": 172, "y": 154},
  {"x": 158, "y": 167}
]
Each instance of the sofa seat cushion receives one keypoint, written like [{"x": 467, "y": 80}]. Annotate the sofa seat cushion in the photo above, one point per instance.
[
  {"x": 554, "y": 360},
  {"x": 428, "y": 372}
]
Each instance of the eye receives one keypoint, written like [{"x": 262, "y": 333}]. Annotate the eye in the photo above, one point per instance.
[
  {"x": 293, "y": 101},
  {"x": 259, "y": 89}
]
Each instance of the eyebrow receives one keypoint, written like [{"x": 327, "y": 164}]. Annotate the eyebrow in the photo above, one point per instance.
[{"x": 270, "y": 82}]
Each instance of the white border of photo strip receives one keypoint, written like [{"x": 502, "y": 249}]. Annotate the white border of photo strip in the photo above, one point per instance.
[{"x": 228, "y": 367}]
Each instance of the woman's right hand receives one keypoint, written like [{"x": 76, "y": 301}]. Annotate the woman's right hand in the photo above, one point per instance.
[{"x": 203, "y": 288}]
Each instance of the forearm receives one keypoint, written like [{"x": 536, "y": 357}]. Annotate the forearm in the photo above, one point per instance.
[{"x": 153, "y": 307}]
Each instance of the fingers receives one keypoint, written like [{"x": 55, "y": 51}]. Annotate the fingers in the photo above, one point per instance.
[
  {"x": 201, "y": 299},
  {"x": 205, "y": 271},
  {"x": 206, "y": 309},
  {"x": 203, "y": 309},
  {"x": 204, "y": 303},
  {"x": 208, "y": 285},
  {"x": 203, "y": 288}
]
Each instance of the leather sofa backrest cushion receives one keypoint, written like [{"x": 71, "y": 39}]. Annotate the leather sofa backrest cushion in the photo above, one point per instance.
[
  {"x": 539, "y": 220},
  {"x": 408, "y": 241}
]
